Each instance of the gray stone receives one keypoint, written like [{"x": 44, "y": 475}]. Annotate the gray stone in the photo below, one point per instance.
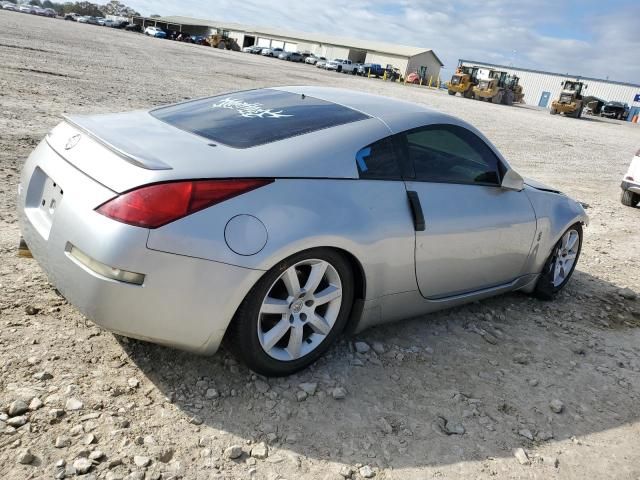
[
  {"x": 141, "y": 461},
  {"x": 521, "y": 358},
  {"x": 17, "y": 421},
  {"x": 25, "y": 457},
  {"x": 73, "y": 404},
  {"x": 378, "y": 347},
  {"x": 96, "y": 455},
  {"x": 262, "y": 386},
  {"x": 89, "y": 439},
  {"x": 544, "y": 436},
  {"x": 301, "y": 396},
  {"x": 195, "y": 420},
  {"x": 211, "y": 393},
  {"x": 338, "y": 393},
  {"x": 526, "y": 433},
  {"x": 367, "y": 472},
  {"x": 62, "y": 442},
  {"x": 309, "y": 388},
  {"x": 556, "y": 406},
  {"x": 17, "y": 407},
  {"x": 165, "y": 455},
  {"x": 82, "y": 465},
  {"x": 384, "y": 426},
  {"x": 233, "y": 452},
  {"x": 31, "y": 310},
  {"x": 346, "y": 472},
  {"x": 42, "y": 376},
  {"x": 113, "y": 476},
  {"x": 361, "y": 347},
  {"x": 521, "y": 456},
  {"x": 260, "y": 451},
  {"x": 627, "y": 294}
]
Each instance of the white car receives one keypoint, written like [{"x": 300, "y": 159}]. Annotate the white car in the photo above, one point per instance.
[
  {"x": 631, "y": 183},
  {"x": 9, "y": 6},
  {"x": 312, "y": 59},
  {"x": 155, "y": 32},
  {"x": 27, "y": 9}
]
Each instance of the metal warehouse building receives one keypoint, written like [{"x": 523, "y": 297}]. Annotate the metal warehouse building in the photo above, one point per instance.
[
  {"x": 541, "y": 88},
  {"x": 407, "y": 59}
]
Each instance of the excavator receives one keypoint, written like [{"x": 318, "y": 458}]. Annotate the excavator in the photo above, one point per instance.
[
  {"x": 571, "y": 100},
  {"x": 463, "y": 81}
]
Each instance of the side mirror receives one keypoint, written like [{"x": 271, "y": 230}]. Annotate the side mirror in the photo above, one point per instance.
[{"x": 512, "y": 181}]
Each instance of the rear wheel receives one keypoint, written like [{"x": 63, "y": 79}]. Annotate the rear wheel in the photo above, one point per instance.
[
  {"x": 561, "y": 263},
  {"x": 497, "y": 98},
  {"x": 451, "y": 92},
  {"x": 630, "y": 199},
  {"x": 468, "y": 93},
  {"x": 294, "y": 313},
  {"x": 553, "y": 111}
]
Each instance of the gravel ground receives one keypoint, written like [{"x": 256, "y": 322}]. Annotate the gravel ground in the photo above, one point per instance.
[{"x": 506, "y": 388}]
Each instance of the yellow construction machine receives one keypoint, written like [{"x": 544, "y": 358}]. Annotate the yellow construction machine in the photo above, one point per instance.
[
  {"x": 223, "y": 42},
  {"x": 571, "y": 101},
  {"x": 463, "y": 81},
  {"x": 491, "y": 85}
]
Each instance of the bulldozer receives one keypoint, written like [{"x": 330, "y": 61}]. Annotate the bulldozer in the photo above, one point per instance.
[
  {"x": 514, "y": 92},
  {"x": 223, "y": 42},
  {"x": 463, "y": 81},
  {"x": 571, "y": 101}
]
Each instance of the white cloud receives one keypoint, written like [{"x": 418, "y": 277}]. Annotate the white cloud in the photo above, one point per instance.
[{"x": 501, "y": 31}]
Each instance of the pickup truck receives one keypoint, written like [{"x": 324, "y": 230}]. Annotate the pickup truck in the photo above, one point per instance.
[
  {"x": 344, "y": 66},
  {"x": 373, "y": 69}
]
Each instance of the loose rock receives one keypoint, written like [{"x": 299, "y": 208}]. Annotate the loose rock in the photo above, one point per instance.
[
  {"x": 367, "y": 472},
  {"x": 338, "y": 393},
  {"x": 309, "y": 388},
  {"x": 521, "y": 456},
  {"x": 233, "y": 452},
  {"x": 556, "y": 406},
  {"x": 361, "y": 347},
  {"x": 141, "y": 461},
  {"x": 62, "y": 442},
  {"x": 25, "y": 457},
  {"x": 260, "y": 451},
  {"x": 17, "y": 407},
  {"x": 82, "y": 465},
  {"x": 73, "y": 404}
]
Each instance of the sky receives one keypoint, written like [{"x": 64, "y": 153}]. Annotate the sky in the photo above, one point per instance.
[{"x": 596, "y": 38}]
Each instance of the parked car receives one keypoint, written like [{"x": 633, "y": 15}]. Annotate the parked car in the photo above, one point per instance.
[
  {"x": 38, "y": 10},
  {"x": 313, "y": 59},
  {"x": 101, "y": 21},
  {"x": 371, "y": 69},
  {"x": 321, "y": 63},
  {"x": 49, "y": 12},
  {"x": 248, "y": 49},
  {"x": 27, "y": 9},
  {"x": 339, "y": 65},
  {"x": 256, "y": 50},
  {"x": 271, "y": 52},
  {"x": 615, "y": 110},
  {"x": 10, "y": 6},
  {"x": 291, "y": 56},
  {"x": 631, "y": 183},
  {"x": 133, "y": 27},
  {"x": 307, "y": 224},
  {"x": 82, "y": 19},
  {"x": 73, "y": 17},
  {"x": 121, "y": 24},
  {"x": 155, "y": 32}
]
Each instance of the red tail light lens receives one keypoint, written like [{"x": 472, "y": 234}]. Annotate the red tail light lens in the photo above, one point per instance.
[{"x": 153, "y": 206}]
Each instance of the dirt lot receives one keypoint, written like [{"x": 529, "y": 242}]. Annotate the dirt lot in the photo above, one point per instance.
[{"x": 451, "y": 395}]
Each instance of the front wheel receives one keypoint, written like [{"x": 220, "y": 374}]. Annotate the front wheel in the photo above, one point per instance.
[
  {"x": 630, "y": 199},
  {"x": 561, "y": 263},
  {"x": 294, "y": 313},
  {"x": 451, "y": 92}
]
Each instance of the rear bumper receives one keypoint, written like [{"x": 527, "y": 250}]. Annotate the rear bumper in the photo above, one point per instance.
[
  {"x": 630, "y": 186},
  {"x": 184, "y": 302}
]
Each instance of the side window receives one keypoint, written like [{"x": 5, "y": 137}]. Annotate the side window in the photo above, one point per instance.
[
  {"x": 378, "y": 161},
  {"x": 451, "y": 154}
]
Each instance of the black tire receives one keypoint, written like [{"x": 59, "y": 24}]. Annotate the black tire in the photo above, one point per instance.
[
  {"x": 553, "y": 111},
  {"x": 451, "y": 92},
  {"x": 339, "y": 69},
  {"x": 629, "y": 199},
  {"x": 545, "y": 289},
  {"x": 242, "y": 334}
]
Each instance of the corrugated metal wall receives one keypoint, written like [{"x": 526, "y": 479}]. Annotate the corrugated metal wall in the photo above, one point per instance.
[{"x": 535, "y": 83}]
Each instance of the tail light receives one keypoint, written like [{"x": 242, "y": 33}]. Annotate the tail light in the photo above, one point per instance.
[{"x": 153, "y": 206}]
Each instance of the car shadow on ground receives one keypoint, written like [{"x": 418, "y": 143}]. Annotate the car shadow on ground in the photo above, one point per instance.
[{"x": 459, "y": 385}]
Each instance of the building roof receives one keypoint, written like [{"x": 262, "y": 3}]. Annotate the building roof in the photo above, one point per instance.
[
  {"x": 368, "y": 45},
  {"x": 565, "y": 75}
]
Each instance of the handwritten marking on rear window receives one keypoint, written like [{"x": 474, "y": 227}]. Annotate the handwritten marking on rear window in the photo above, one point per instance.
[{"x": 249, "y": 110}]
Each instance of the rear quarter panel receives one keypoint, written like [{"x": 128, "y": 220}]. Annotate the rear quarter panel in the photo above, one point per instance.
[{"x": 367, "y": 218}]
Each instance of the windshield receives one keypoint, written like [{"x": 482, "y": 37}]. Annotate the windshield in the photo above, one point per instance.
[{"x": 255, "y": 117}]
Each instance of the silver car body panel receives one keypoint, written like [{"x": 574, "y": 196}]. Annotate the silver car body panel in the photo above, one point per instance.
[{"x": 494, "y": 241}]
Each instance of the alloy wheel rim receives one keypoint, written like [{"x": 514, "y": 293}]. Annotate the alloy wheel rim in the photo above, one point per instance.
[
  {"x": 299, "y": 310},
  {"x": 565, "y": 257}
]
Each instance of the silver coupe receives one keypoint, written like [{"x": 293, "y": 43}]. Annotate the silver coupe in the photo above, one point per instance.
[{"x": 278, "y": 218}]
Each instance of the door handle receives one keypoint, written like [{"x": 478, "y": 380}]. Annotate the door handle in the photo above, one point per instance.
[{"x": 416, "y": 211}]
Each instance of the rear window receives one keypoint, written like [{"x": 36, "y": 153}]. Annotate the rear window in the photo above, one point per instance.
[{"x": 251, "y": 118}]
